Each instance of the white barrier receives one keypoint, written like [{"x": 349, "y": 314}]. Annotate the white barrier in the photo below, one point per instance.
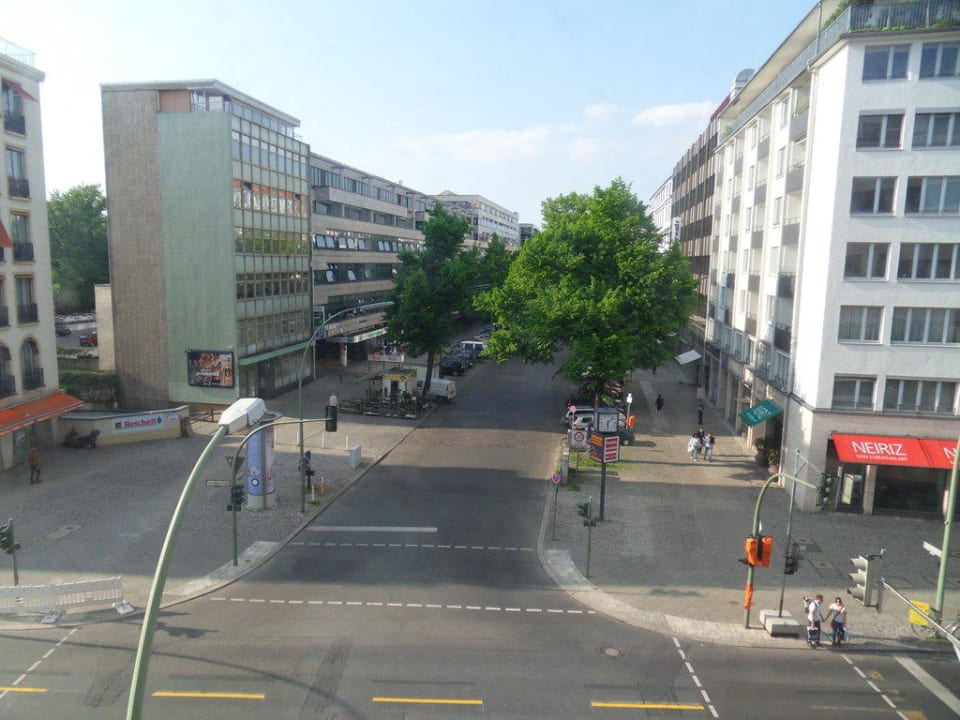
[{"x": 60, "y": 597}]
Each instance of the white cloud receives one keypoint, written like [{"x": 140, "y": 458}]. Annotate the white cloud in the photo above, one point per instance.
[
  {"x": 665, "y": 116},
  {"x": 600, "y": 111},
  {"x": 490, "y": 146}
]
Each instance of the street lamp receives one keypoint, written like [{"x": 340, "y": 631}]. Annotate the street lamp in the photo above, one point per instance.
[
  {"x": 303, "y": 358},
  {"x": 240, "y": 414}
]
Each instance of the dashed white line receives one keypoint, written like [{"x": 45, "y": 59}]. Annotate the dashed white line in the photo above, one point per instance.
[
  {"x": 413, "y": 605},
  {"x": 695, "y": 678}
]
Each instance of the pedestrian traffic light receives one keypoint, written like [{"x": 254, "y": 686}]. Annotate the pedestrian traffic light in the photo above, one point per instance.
[
  {"x": 331, "y": 424},
  {"x": 583, "y": 509},
  {"x": 863, "y": 578},
  {"x": 238, "y": 494},
  {"x": 6, "y": 536},
  {"x": 792, "y": 560},
  {"x": 759, "y": 550},
  {"x": 825, "y": 489}
]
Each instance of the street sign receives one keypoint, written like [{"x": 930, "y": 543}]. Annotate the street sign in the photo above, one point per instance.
[
  {"x": 578, "y": 439},
  {"x": 604, "y": 448},
  {"x": 758, "y": 413},
  {"x": 556, "y": 478}
]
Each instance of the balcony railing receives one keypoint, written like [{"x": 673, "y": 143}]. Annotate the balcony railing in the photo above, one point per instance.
[
  {"x": 23, "y": 252},
  {"x": 33, "y": 379},
  {"x": 8, "y": 385},
  {"x": 15, "y": 123},
  {"x": 18, "y": 187},
  {"x": 27, "y": 313}
]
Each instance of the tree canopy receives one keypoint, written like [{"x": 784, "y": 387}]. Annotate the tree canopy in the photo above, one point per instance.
[
  {"x": 594, "y": 282},
  {"x": 78, "y": 246}
]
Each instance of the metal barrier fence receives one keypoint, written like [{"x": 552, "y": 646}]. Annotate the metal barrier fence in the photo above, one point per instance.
[{"x": 60, "y": 597}]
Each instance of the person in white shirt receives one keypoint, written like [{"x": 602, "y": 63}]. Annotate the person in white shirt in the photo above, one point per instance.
[
  {"x": 814, "y": 618},
  {"x": 837, "y": 617}
]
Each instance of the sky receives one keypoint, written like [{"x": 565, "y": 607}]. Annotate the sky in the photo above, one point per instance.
[{"x": 515, "y": 100}]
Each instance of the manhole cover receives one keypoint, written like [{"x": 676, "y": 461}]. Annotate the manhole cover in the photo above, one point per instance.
[{"x": 612, "y": 652}]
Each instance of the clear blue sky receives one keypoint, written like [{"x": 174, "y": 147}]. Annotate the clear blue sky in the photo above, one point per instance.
[{"x": 517, "y": 100}]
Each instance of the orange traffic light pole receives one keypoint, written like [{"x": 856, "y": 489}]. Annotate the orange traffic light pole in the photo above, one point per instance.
[{"x": 748, "y": 592}]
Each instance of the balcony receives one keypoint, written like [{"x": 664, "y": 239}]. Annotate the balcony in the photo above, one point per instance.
[
  {"x": 756, "y": 237},
  {"x": 23, "y": 252},
  {"x": 750, "y": 326},
  {"x": 734, "y": 241},
  {"x": 33, "y": 379},
  {"x": 8, "y": 386},
  {"x": 14, "y": 123},
  {"x": 735, "y": 203},
  {"x": 794, "y": 181},
  {"x": 18, "y": 187},
  {"x": 753, "y": 283},
  {"x": 781, "y": 337},
  {"x": 763, "y": 147},
  {"x": 798, "y": 124},
  {"x": 790, "y": 233},
  {"x": 786, "y": 285},
  {"x": 27, "y": 313},
  {"x": 760, "y": 193}
]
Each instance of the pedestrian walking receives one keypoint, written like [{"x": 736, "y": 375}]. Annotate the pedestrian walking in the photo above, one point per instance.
[
  {"x": 659, "y": 403},
  {"x": 693, "y": 447},
  {"x": 814, "y": 619},
  {"x": 33, "y": 459},
  {"x": 837, "y": 617},
  {"x": 708, "y": 448},
  {"x": 700, "y": 412}
]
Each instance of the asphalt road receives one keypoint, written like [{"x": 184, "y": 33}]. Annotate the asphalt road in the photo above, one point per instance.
[{"x": 418, "y": 594}]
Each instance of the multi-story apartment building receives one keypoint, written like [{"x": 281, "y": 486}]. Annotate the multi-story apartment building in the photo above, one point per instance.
[
  {"x": 660, "y": 208},
  {"x": 359, "y": 222},
  {"x": 527, "y": 231},
  {"x": 486, "y": 219},
  {"x": 30, "y": 401},
  {"x": 209, "y": 236},
  {"x": 835, "y": 286}
]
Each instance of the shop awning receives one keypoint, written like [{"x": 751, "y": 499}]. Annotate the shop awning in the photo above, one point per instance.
[
  {"x": 688, "y": 357},
  {"x": 891, "y": 450},
  {"x": 5, "y": 240},
  {"x": 35, "y": 411},
  {"x": 18, "y": 89}
]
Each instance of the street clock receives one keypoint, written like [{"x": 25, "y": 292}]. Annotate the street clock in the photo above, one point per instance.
[{"x": 607, "y": 421}]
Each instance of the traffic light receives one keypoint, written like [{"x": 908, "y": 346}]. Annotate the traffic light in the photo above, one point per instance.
[
  {"x": 6, "y": 537},
  {"x": 583, "y": 509},
  {"x": 331, "y": 423},
  {"x": 863, "y": 578},
  {"x": 792, "y": 560},
  {"x": 825, "y": 489},
  {"x": 759, "y": 550},
  {"x": 238, "y": 494}
]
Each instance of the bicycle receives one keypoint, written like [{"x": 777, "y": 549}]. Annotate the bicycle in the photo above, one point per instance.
[{"x": 922, "y": 628}]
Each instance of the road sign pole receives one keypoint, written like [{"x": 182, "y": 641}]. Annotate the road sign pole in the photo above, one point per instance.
[{"x": 603, "y": 483}]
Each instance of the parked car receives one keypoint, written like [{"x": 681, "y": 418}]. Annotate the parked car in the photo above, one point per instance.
[
  {"x": 450, "y": 365},
  {"x": 89, "y": 339},
  {"x": 62, "y": 329}
]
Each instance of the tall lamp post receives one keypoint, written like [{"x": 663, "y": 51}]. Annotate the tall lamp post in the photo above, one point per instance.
[
  {"x": 303, "y": 358},
  {"x": 240, "y": 414},
  {"x": 947, "y": 529}
]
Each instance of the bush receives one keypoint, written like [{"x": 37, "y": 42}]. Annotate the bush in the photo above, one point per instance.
[{"x": 92, "y": 386}]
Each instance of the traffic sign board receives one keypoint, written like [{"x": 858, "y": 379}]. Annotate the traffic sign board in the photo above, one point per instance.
[
  {"x": 604, "y": 448},
  {"x": 556, "y": 478}
]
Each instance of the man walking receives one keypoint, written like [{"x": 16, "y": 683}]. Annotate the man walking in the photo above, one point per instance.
[
  {"x": 709, "y": 442},
  {"x": 659, "y": 403},
  {"x": 700, "y": 412},
  {"x": 814, "y": 618},
  {"x": 34, "y": 461}
]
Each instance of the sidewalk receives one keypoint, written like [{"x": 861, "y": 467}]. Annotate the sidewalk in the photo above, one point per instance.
[{"x": 665, "y": 556}]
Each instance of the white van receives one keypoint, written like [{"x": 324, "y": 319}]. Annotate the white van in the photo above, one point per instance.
[
  {"x": 579, "y": 419},
  {"x": 445, "y": 390},
  {"x": 477, "y": 346}
]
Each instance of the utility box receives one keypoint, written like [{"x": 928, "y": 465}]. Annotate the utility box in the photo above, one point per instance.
[{"x": 354, "y": 458}]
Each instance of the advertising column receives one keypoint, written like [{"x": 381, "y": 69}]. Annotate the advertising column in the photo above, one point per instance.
[{"x": 260, "y": 486}]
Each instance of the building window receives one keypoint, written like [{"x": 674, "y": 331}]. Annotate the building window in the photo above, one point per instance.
[
  {"x": 17, "y": 173},
  {"x": 11, "y": 106},
  {"x": 853, "y": 393},
  {"x": 937, "y": 194},
  {"x": 783, "y": 113},
  {"x": 860, "y": 323},
  {"x": 30, "y": 365},
  {"x": 781, "y": 161},
  {"x": 880, "y": 131},
  {"x": 777, "y": 211},
  {"x": 936, "y": 130},
  {"x": 929, "y": 261},
  {"x": 866, "y": 260},
  {"x": 935, "y": 397},
  {"x": 925, "y": 326},
  {"x": 940, "y": 60},
  {"x": 873, "y": 195},
  {"x": 885, "y": 62}
]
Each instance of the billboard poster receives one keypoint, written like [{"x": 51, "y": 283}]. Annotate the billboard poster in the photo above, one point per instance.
[{"x": 210, "y": 368}]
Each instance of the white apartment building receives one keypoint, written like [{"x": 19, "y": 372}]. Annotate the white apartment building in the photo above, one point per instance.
[
  {"x": 30, "y": 401},
  {"x": 660, "y": 208},
  {"x": 486, "y": 219},
  {"x": 835, "y": 286}
]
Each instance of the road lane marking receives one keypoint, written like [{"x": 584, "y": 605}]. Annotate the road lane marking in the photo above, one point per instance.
[
  {"x": 408, "y": 605},
  {"x": 12, "y": 689},
  {"x": 370, "y": 528},
  {"x": 696, "y": 680},
  {"x": 428, "y": 701},
  {"x": 647, "y": 706},
  {"x": 931, "y": 683},
  {"x": 209, "y": 695}
]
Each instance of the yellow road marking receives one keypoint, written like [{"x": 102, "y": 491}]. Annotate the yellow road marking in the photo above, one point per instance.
[
  {"x": 428, "y": 701},
  {"x": 22, "y": 689},
  {"x": 210, "y": 695},
  {"x": 647, "y": 706}
]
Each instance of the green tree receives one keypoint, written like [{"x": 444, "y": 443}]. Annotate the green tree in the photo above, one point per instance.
[
  {"x": 78, "y": 246},
  {"x": 429, "y": 287},
  {"x": 594, "y": 282}
]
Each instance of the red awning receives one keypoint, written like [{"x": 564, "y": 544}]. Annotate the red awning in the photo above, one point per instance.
[
  {"x": 890, "y": 450},
  {"x": 34, "y": 411},
  {"x": 18, "y": 89},
  {"x": 5, "y": 240}
]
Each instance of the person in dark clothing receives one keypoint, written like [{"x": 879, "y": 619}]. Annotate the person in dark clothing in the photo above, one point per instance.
[
  {"x": 700, "y": 412},
  {"x": 659, "y": 403},
  {"x": 34, "y": 461}
]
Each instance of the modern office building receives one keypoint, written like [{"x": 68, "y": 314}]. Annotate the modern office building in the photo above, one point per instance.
[
  {"x": 486, "y": 219},
  {"x": 209, "y": 237},
  {"x": 30, "y": 401},
  {"x": 359, "y": 222},
  {"x": 527, "y": 231},
  {"x": 660, "y": 209},
  {"x": 835, "y": 282}
]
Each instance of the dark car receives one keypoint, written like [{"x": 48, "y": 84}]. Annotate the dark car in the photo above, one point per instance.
[
  {"x": 62, "y": 329},
  {"x": 89, "y": 339},
  {"x": 450, "y": 365}
]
